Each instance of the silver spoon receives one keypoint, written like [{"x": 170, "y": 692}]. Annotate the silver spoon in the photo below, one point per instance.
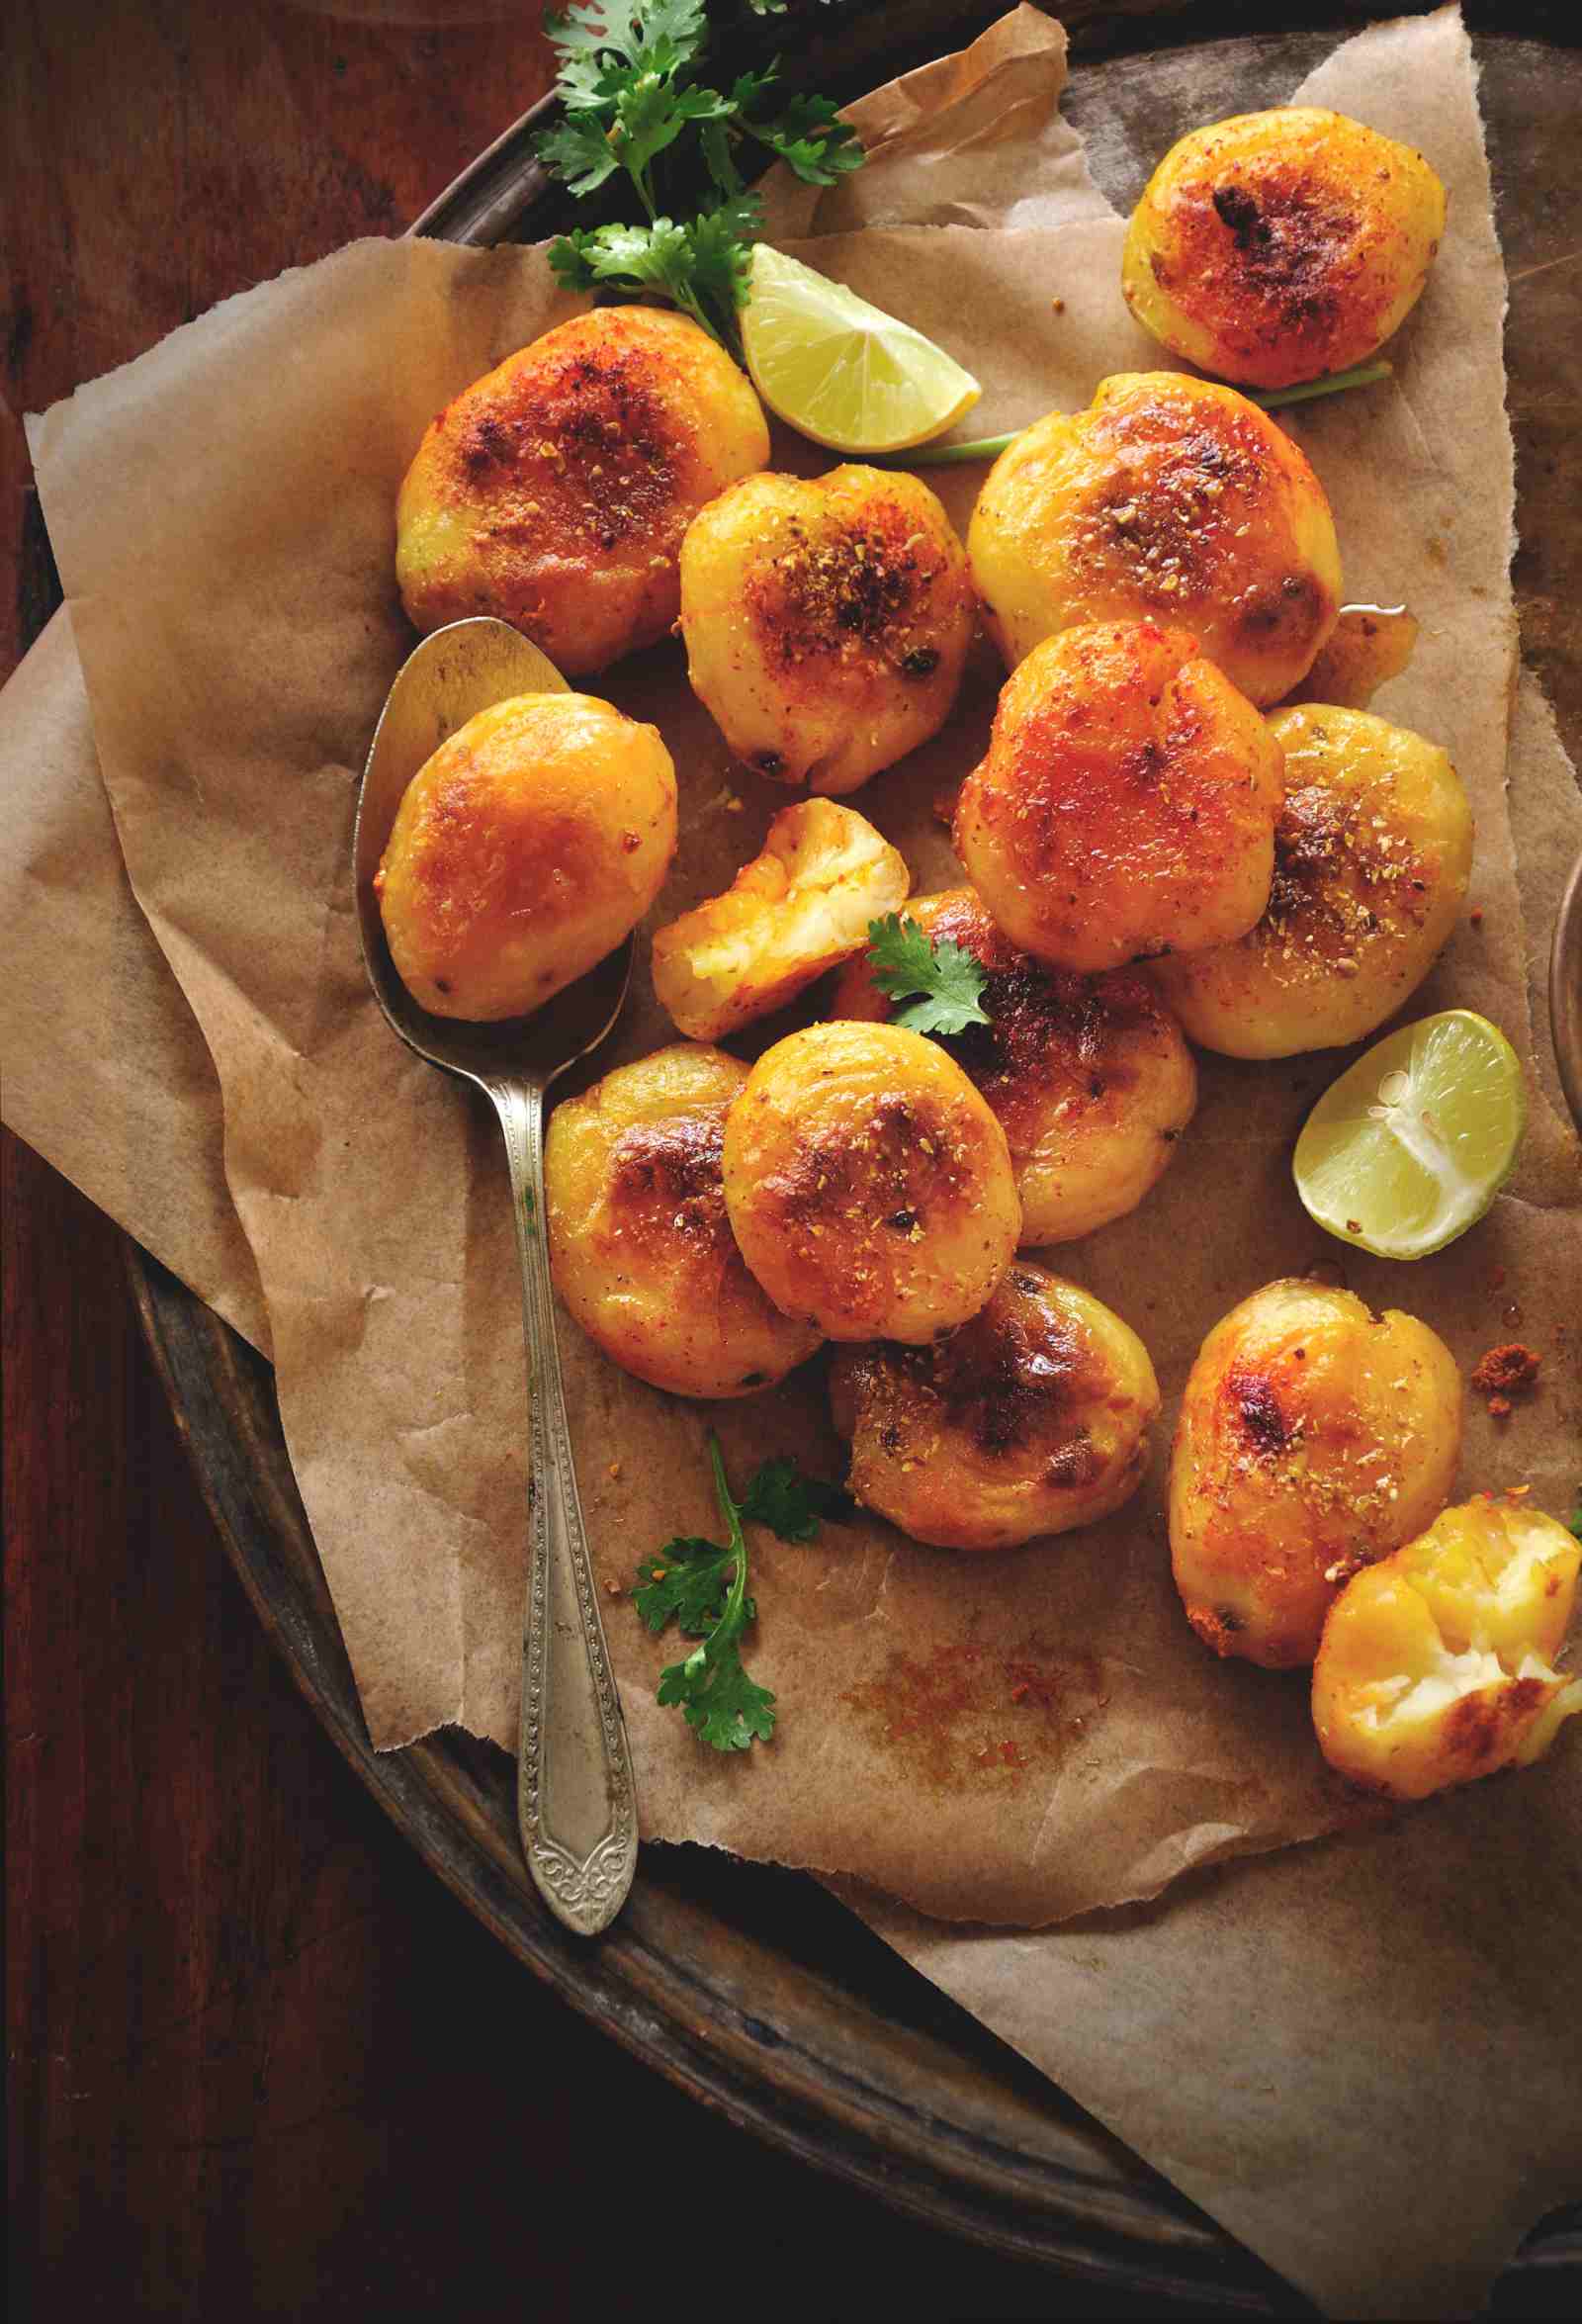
[{"x": 575, "y": 1803}]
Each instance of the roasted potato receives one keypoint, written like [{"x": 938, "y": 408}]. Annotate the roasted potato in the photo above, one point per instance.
[
  {"x": 868, "y": 1185},
  {"x": 1438, "y": 1665},
  {"x": 523, "y": 851},
  {"x": 1278, "y": 246},
  {"x": 1127, "y": 806},
  {"x": 1169, "y": 499},
  {"x": 553, "y": 491},
  {"x": 827, "y": 623},
  {"x": 1032, "y": 1418},
  {"x": 1089, "y": 1076},
  {"x": 1372, "y": 853},
  {"x": 800, "y": 907},
  {"x": 641, "y": 1251},
  {"x": 1314, "y": 1437},
  {"x": 1368, "y": 646}
]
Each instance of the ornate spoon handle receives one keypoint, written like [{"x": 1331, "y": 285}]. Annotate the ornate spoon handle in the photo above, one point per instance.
[{"x": 575, "y": 1801}]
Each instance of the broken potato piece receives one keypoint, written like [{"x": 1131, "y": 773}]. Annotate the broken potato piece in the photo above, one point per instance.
[
  {"x": 1030, "y": 1420},
  {"x": 641, "y": 1249},
  {"x": 1314, "y": 1438},
  {"x": 798, "y": 908},
  {"x": 827, "y": 622},
  {"x": 868, "y": 1184},
  {"x": 1089, "y": 1077},
  {"x": 1438, "y": 1665}
]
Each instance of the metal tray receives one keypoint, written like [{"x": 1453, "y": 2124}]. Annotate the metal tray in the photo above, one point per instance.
[{"x": 749, "y": 1985}]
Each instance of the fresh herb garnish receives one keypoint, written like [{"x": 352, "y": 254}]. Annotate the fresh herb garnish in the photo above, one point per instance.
[
  {"x": 702, "y": 1587},
  {"x": 950, "y": 979},
  {"x": 626, "y": 81}
]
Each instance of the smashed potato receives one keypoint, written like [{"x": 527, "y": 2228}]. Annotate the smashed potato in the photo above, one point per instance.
[
  {"x": 868, "y": 1185},
  {"x": 1169, "y": 499},
  {"x": 1089, "y": 1076},
  {"x": 1437, "y": 1666},
  {"x": 800, "y": 907},
  {"x": 1372, "y": 853},
  {"x": 1278, "y": 246},
  {"x": 523, "y": 851},
  {"x": 1032, "y": 1418},
  {"x": 553, "y": 491},
  {"x": 640, "y": 1248},
  {"x": 827, "y": 623},
  {"x": 1314, "y": 1437},
  {"x": 1127, "y": 806}
]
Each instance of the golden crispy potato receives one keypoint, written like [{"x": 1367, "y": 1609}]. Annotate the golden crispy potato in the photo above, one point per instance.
[
  {"x": 1089, "y": 1076},
  {"x": 641, "y": 1250},
  {"x": 1032, "y": 1418},
  {"x": 1438, "y": 1665},
  {"x": 870, "y": 1186},
  {"x": 1372, "y": 853},
  {"x": 1127, "y": 803},
  {"x": 531, "y": 843},
  {"x": 1368, "y": 646},
  {"x": 827, "y": 624},
  {"x": 1278, "y": 246},
  {"x": 554, "y": 493},
  {"x": 1173, "y": 498},
  {"x": 800, "y": 907},
  {"x": 1314, "y": 1436}
]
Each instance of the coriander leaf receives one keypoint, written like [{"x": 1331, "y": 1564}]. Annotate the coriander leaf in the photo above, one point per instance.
[
  {"x": 650, "y": 115},
  {"x": 569, "y": 261},
  {"x": 647, "y": 35},
  {"x": 685, "y": 1580},
  {"x": 715, "y": 140},
  {"x": 655, "y": 253},
  {"x": 722, "y": 1705},
  {"x": 721, "y": 247},
  {"x": 812, "y": 141},
  {"x": 578, "y": 149},
  {"x": 791, "y": 1505},
  {"x": 949, "y": 979}
]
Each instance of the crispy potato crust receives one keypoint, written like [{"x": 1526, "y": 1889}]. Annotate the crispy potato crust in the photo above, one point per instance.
[
  {"x": 1278, "y": 246},
  {"x": 555, "y": 492},
  {"x": 641, "y": 1250},
  {"x": 1172, "y": 499},
  {"x": 1127, "y": 806},
  {"x": 1314, "y": 1437},
  {"x": 1030, "y": 1420},
  {"x": 868, "y": 1185},
  {"x": 1372, "y": 854},
  {"x": 1089, "y": 1077},
  {"x": 827, "y": 623},
  {"x": 523, "y": 851}
]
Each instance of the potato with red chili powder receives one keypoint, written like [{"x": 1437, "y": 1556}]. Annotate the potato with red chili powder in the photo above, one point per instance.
[
  {"x": 1089, "y": 1077},
  {"x": 868, "y": 1185},
  {"x": 1314, "y": 1438},
  {"x": 1168, "y": 499},
  {"x": 554, "y": 493},
  {"x": 523, "y": 851},
  {"x": 827, "y": 623},
  {"x": 641, "y": 1250},
  {"x": 1278, "y": 246},
  {"x": 1032, "y": 1418},
  {"x": 1126, "y": 805}
]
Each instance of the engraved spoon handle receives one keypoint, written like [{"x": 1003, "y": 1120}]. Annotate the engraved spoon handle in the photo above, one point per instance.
[{"x": 575, "y": 1802}]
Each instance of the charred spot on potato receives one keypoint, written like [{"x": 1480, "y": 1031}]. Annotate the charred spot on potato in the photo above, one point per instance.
[
  {"x": 921, "y": 661},
  {"x": 1258, "y": 1408},
  {"x": 666, "y": 1181}
]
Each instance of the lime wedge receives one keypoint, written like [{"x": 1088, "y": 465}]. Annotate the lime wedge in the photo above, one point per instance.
[
  {"x": 1412, "y": 1143},
  {"x": 846, "y": 373}
]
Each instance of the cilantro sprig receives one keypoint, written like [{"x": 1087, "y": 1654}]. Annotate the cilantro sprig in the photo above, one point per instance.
[
  {"x": 702, "y": 1587},
  {"x": 628, "y": 83},
  {"x": 950, "y": 980}
]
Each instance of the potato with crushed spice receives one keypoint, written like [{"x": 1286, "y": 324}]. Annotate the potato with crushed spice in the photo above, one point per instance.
[
  {"x": 554, "y": 493},
  {"x": 1032, "y": 1418},
  {"x": 523, "y": 851},
  {"x": 1438, "y": 1665},
  {"x": 1126, "y": 805},
  {"x": 1372, "y": 854},
  {"x": 1089, "y": 1077},
  {"x": 1279, "y": 247},
  {"x": 800, "y": 907},
  {"x": 640, "y": 1247},
  {"x": 868, "y": 1184},
  {"x": 827, "y": 623},
  {"x": 1170, "y": 499},
  {"x": 1314, "y": 1438}
]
